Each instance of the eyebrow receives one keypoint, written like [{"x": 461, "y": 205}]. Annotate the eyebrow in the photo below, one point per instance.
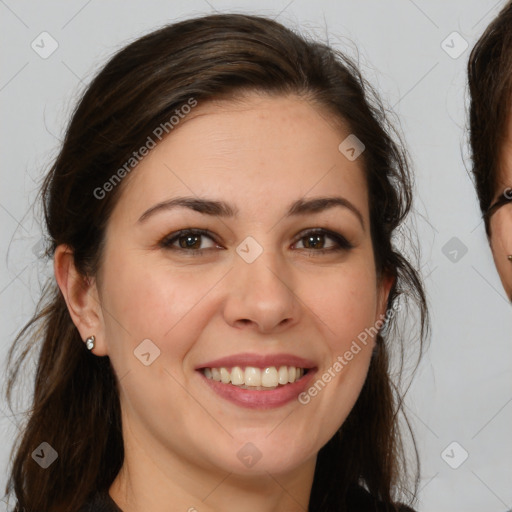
[{"x": 223, "y": 209}]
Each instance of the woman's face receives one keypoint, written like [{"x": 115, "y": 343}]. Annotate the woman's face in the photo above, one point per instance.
[
  {"x": 261, "y": 294},
  {"x": 501, "y": 220}
]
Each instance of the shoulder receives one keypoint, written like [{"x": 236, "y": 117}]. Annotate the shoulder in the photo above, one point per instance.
[
  {"x": 360, "y": 500},
  {"x": 100, "y": 501}
]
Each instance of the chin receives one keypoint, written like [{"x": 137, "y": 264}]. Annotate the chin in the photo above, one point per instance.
[{"x": 261, "y": 456}]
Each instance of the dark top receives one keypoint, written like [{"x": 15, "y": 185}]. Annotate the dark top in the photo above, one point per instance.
[
  {"x": 100, "y": 502},
  {"x": 358, "y": 500}
]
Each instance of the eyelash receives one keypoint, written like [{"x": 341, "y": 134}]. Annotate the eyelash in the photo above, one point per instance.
[{"x": 342, "y": 243}]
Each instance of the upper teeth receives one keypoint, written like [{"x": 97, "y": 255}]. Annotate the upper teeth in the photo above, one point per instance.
[{"x": 251, "y": 376}]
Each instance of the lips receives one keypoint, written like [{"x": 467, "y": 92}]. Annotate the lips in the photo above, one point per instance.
[
  {"x": 258, "y": 381},
  {"x": 259, "y": 361}
]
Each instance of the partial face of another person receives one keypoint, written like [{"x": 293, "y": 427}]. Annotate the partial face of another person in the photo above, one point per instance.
[
  {"x": 254, "y": 283},
  {"x": 501, "y": 219}
]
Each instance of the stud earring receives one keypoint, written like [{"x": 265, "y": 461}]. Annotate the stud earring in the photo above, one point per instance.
[
  {"x": 89, "y": 342},
  {"x": 509, "y": 257}
]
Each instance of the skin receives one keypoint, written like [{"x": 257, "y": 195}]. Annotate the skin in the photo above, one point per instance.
[
  {"x": 181, "y": 439},
  {"x": 501, "y": 220}
]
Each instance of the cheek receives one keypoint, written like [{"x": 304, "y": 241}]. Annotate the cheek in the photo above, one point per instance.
[
  {"x": 501, "y": 229},
  {"x": 346, "y": 303},
  {"x": 346, "y": 308},
  {"x": 158, "y": 301},
  {"x": 501, "y": 245}
]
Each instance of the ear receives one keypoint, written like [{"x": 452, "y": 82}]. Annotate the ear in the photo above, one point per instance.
[
  {"x": 384, "y": 287},
  {"x": 82, "y": 299}
]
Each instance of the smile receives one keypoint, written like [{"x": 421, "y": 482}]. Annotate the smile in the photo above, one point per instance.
[{"x": 254, "y": 378}]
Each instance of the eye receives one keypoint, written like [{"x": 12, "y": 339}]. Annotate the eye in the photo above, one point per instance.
[
  {"x": 315, "y": 241},
  {"x": 188, "y": 240}
]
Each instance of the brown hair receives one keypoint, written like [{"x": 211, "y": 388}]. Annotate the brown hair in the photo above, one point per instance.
[
  {"x": 490, "y": 88},
  {"x": 76, "y": 407}
]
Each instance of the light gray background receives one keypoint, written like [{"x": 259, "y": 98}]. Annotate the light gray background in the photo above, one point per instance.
[{"x": 462, "y": 391}]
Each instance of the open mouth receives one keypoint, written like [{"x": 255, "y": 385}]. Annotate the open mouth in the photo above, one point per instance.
[{"x": 256, "y": 379}]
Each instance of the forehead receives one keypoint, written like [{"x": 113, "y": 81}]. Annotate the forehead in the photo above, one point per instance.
[{"x": 259, "y": 150}]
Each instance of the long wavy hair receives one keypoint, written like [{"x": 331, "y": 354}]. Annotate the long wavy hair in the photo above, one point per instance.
[{"x": 75, "y": 406}]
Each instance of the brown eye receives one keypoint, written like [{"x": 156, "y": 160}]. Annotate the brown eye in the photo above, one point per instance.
[
  {"x": 191, "y": 240},
  {"x": 315, "y": 241}
]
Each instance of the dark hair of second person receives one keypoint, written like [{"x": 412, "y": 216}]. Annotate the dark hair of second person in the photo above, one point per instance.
[{"x": 490, "y": 133}]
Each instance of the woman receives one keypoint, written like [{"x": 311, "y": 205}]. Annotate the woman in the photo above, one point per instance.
[
  {"x": 221, "y": 218},
  {"x": 490, "y": 87}
]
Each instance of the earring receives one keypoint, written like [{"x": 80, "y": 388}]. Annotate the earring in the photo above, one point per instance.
[
  {"x": 509, "y": 257},
  {"x": 89, "y": 342}
]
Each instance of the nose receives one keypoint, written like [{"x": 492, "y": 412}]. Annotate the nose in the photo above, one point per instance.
[{"x": 260, "y": 295}]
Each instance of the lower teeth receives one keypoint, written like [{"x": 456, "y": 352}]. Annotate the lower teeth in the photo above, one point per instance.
[{"x": 257, "y": 388}]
